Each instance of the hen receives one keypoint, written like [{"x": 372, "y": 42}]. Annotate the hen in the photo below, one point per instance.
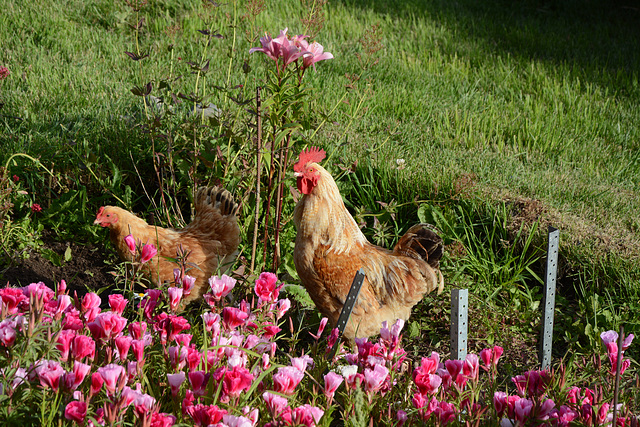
[
  {"x": 211, "y": 239},
  {"x": 330, "y": 249}
]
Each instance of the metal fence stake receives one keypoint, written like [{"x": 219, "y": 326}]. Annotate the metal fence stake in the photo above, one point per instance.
[
  {"x": 459, "y": 323},
  {"x": 549, "y": 299}
]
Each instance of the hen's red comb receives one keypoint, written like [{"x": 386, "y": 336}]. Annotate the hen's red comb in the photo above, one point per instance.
[
  {"x": 100, "y": 211},
  {"x": 312, "y": 154}
]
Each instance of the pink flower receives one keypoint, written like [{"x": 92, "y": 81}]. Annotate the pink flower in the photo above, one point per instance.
[
  {"x": 96, "y": 383},
  {"x": 283, "y": 306},
  {"x": 175, "y": 381},
  {"x": 117, "y": 303},
  {"x": 107, "y": 325},
  {"x": 391, "y": 334},
  {"x": 137, "y": 346},
  {"x": 402, "y": 417},
  {"x": 148, "y": 252},
  {"x": 331, "y": 383},
  {"x": 323, "y": 324},
  {"x": 175, "y": 295},
  {"x": 266, "y": 288},
  {"x": 12, "y": 298},
  {"x": 7, "y": 333},
  {"x": 287, "y": 379},
  {"x": 425, "y": 407},
  {"x": 188, "y": 282},
  {"x": 76, "y": 411},
  {"x": 470, "y": 368},
  {"x": 205, "y": 415},
  {"x": 83, "y": 346},
  {"x": 374, "y": 378},
  {"x": 49, "y": 373},
  {"x": 130, "y": 242},
  {"x": 159, "y": 419},
  {"x": 236, "y": 380},
  {"x": 500, "y": 402},
  {"x": 315, "y": 52},
  {"x": 170, "y": 326},
  {"x": 306, "y": 415},
  {"x": 137, "y": 329},
  {"x": 446, "y": 412},
  {"x": 236, "y": 421},
  {"x": 564, "y": 416},
  {"x": 36, "y": 208},
  {"x": 77, "y": 376},
  {"x": 531, "y": 383},
  {"x": 123, "y": 342},
  {"x": 90, "y": 306},
  {"x": 178, "y": 357},
  {"x": 428, "y": 384},
  {"x": 4, "y": 73},
  {"x": 199, "y": 381},
  {"x": 276, "y": 404},
  {"x": 490, "y": 357},
  {"x": 233, "y": 317},
  {"x": 269, "y": 47},
  {"x": 522, "y": 409},
  {"x": 221, "y": 286},
  {"x": 62, "y": 287},
  {"x": 111, "y": 375}
]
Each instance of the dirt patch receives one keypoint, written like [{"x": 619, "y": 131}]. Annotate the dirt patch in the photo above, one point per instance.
[{"x": 86, "y": 270}]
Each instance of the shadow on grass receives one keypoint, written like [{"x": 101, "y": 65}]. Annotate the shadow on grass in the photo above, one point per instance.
[{"x": 598, "y": 41}]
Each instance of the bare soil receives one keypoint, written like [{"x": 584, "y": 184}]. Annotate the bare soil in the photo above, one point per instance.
[{"x": 86, "y": 271}]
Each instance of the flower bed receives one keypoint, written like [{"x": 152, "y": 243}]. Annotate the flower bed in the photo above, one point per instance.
[{"x": 68, "y": 360}]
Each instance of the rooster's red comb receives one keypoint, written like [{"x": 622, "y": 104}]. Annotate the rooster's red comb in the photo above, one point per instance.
[{"x": 312, "y": 154}]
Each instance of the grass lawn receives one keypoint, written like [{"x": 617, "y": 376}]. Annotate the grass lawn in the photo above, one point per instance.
[{"x": 509, "y": 116}]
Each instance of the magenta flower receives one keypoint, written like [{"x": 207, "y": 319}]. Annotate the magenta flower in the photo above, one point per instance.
[
  {"x": 90, "y": 306},
  {"x": 205, "y": 415},
  {"x": 117, "y": 303},
  {"x": 287, "y": 379},
  {"x": 188, "y": 282},
  {"x": 76, "y": 377},
  {"x": 35, "y": 208},
  {"x": 107, "y": 325},
  {"x": 148, "y": 252},
  {"x": 178, "y": 357},
  {"x": 49, "y": 373},
  {"x": 531, "y": 383},
  {"x": 4, "y": 73},
  {"x": 269, "y": 47},
  {"x": 83, "y": 346},
  {"x": 123, "y": 343},
  {"x": 564, "y": 416},
  {"x": 170, "y": 325},
  {"x": 500, "y": 402},
  {"x": 266, "y": 288},
  {"x": 150, "y": 301},
  {"x": 221, "y": 286},
  {"x": 323, "y": 324},
  {"x": 306, "y": 415},
  {"x": 283, "y": 306},
  {"x": 96, "y": 383},
  {"x": 470, "y": 368},
  {"x": 233, "y": 317},
  {"x": 402, "y": 417},
  {"x": 161, "y": 419},
  {"x": 76, "y": 411},
  {"x": 175, "y": 295},
  {"x": 428, "y": 384},
  {"x": 236, "y": 380},
  {"x": 12, "y": 299},
  {"x": 374, "y": 378},
  {"x": 111, "y": 375},
  {"x": 315, "y": 52},
  {"x": 331, "y": 383},
  {"x": 199, "y": 381},
  {"x": 446, "y": 412},
  {"x": 523, "y": 409},
  {"x": 137, "y": 329},
  {"x": 130, "y": 242},
  {"x": 175, "y": 381},
  {"x": 7, "y": 333},
  {"x": 276, "y": 404}
]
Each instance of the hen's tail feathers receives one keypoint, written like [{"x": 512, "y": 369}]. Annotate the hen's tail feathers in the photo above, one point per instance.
[
  {"x": 421, "y": 242},
  {"x": 217, "y": 198}
]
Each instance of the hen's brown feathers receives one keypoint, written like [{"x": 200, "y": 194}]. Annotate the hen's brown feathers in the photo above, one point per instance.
[
  {"x": 211, "y": 239},
  {"x": 330, "y": 249}
]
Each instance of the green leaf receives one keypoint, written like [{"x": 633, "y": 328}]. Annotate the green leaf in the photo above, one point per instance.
[{"x": 67, "y": 254}]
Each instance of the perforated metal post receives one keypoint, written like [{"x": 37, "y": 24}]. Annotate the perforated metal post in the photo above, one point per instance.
[
  {"x": 549, "y": 299},
  {"x": 459, "y": 323}
]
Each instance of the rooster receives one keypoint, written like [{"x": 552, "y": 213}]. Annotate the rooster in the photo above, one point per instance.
[
  {"x": 211, "y": 239},
  {"x": 330, "y": 249}
]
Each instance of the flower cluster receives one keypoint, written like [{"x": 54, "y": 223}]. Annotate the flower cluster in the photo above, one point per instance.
[
  {"x": 290, "y": 49},
  {"x": 225, "y": 367}
]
